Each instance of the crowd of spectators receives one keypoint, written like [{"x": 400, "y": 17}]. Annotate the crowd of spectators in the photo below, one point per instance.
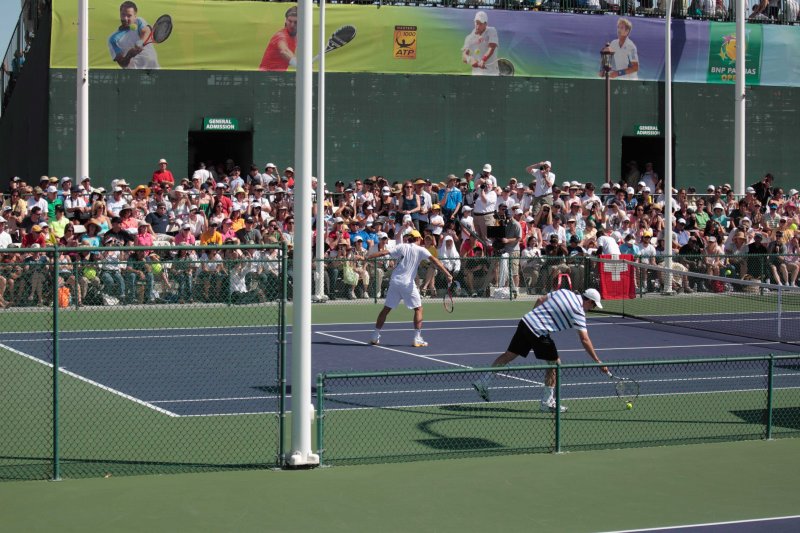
[{"x": 542, "y": 228}]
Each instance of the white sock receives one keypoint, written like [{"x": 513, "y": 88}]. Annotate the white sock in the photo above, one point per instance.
[
  {"x": 377, "y": 332},
  {"x": 419, "y": 333},
  {"x": 548, "y": 395}
]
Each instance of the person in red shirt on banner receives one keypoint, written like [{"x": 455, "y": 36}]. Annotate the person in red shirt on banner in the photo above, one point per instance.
[
  {"x": 279, "y": 54},
  {"x": 162, "y": 175}
]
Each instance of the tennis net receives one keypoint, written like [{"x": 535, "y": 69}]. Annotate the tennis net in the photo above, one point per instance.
[{"x": 722, "y": 305}]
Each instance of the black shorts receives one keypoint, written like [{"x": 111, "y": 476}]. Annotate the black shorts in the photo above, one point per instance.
[{"x": 524, "y": 340}]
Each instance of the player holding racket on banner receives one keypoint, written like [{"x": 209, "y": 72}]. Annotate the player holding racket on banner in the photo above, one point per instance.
[
  {"x": 480, "y": 47},
  {"x": 127, "y": 42},
  {"x": 408, "y": 256},
  {"x": 280, "y": 52},
  {"x": 557, "y": 311}
]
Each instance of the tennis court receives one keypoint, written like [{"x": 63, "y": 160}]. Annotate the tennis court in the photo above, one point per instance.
[{"x": 236, "y": 380}]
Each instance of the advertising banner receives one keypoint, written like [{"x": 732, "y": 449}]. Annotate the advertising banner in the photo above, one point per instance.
[{"x": 250, "y": 36}]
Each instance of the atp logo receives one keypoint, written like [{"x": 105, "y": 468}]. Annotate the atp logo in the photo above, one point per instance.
[{"x": 405, "y": 42}]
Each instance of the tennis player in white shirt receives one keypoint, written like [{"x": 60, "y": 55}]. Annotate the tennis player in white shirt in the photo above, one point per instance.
[{"x": 408, "y": 256}]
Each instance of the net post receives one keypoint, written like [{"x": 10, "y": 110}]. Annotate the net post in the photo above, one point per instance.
[
  {"x": 558, "y": 410},
  {"x": 770, "y": 388},
  {"x": 56, "y": 362},
  {"x": 780, "y": 311},
  {"x": 320, "y": 416}
]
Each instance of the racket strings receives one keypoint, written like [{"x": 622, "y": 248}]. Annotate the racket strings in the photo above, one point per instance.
[{"x": 162, "y": 29}]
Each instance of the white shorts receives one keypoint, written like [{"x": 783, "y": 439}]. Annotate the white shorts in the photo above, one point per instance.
[{"x": 408, "y": 293}]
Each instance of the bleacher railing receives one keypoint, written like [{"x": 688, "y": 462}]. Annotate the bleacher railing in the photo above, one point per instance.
[
  {"x": 381, "y": 417},
  {"x": 21, "y": 40}
]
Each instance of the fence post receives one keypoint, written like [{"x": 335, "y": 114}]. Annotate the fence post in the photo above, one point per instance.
[
  {"x": 56, "y": 406},
  {"x": 375, "y": 283},
  {"x": 282, "y": 355},
  {"x": 770, "y": 383},
  {"x": 558, "y": 408},
  {"x": 320, "y": 416},
  {"x": 510, "y": 280}
]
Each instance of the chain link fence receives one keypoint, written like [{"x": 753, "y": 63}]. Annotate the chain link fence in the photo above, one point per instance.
[
  {"x": 436, "y": 414},
  {"x": 130, "y": 360}
]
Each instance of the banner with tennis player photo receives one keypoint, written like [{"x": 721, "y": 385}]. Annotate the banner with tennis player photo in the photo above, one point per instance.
[{"x": 255, "y": 35}]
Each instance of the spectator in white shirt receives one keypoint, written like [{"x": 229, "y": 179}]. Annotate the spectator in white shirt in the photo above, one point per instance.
[{"x": 544, "y": 180}]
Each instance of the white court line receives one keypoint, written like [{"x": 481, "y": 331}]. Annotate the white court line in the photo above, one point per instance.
[
  {"x": 91, "y": 382},
  {"x": 426, "y": 357},
  {"x": 427, "y": 328},
  {"x": 147, "y": 330},
  {"x": 749, "y": 521}
]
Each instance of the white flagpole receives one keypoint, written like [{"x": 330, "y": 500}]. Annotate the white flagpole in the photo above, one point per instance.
[{"x": 82, "y": 97}]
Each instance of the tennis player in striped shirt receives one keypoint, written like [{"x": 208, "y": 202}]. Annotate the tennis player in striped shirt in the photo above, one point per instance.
[{"x": 557, "y": 311}]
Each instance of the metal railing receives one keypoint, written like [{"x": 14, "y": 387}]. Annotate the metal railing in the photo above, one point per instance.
[
  {"x": 125, "y": 370},
  {"x": 380, "y": 417},
  {"x": 21, "y": 41}
]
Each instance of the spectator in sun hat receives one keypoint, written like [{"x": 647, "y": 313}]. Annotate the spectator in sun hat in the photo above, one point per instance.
[
  {"x": 38, "y": 198},
  {"x": 162, "y": 174},
  {"x": 64, "y": 187},
  {"x": 718, "y": 214}
]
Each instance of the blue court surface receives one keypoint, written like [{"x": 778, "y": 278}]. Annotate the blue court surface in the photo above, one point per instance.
[
  {"x": 783, "y": 524},
  {"x": 228, "y": 371}
]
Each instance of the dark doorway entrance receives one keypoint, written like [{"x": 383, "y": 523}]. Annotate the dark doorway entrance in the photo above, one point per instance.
[
  {"x": 644, "y": 150},
  {"x": 219, "y": 146}
]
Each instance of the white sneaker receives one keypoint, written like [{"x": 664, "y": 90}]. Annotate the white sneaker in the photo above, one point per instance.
[
  {"x": 419, "y": 342},
  {"x": 376, "y": 339},
  {"x": 550, "y": 407}
]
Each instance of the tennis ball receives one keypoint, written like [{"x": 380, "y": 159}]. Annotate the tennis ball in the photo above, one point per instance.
[
  {"x": 629, "y": 405},
  {"x": 134, "y": 27},
  {"x": 157, "y": 268},
  {"x": 89, "y": 273}
]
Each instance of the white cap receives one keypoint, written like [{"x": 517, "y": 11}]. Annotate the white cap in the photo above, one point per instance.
[
  {"x": 565, "y": 185},
  {"x": 517, "y": 209},
  {"x": 718, "y": 206},
  {"x": 646, "y": 189},
  {"x": 359, "y": 238},
  {"x": 487, "y": 167},
  {"x": 466, "y": 208},
  {"x": 711, "y": 188},
  {"x": 52, "y": 189},
  {"x": 406, "y": 218},
  {"x": 641, "y": 184},
  {"x": 162, "y": 160},
  {"x": 117, "y": 189},
  {"x": 2, "y": 220},
  {"x": 65, "y": 178},
  {"x": 548, "y": 164},
  {"x": 594, "y": 296},
  {"x": 792, "y": 192},
  {"x": 186, "y": 226},
  {"x": 616, "y": 186},
  {"x": 575, "y": 183},
  {"x": 338, "y": 219},
  {"x": 681, "y": 221},
  {"x": 750, "y": 190},
  {"x": 605, "y": 186},
  {"x": 469, "y": 171},
  {"x": 630, "y": 190},
  {"x": 746, "y": 218},
  {"x": 481, "y": 17}
]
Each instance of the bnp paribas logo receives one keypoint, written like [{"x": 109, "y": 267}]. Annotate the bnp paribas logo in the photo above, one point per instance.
[
  {"x": 727, "y": 49},
  {"x": 723, "y": 50}
]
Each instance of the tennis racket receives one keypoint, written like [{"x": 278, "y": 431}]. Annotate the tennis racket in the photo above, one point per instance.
[
  {"x": 627, "y": 389},
  {"x": 340, "y": 37},
  {"x": 505, "y": 66},
  {"x": 447, "y": 299},
  {"x": 160, "y": 31}
]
